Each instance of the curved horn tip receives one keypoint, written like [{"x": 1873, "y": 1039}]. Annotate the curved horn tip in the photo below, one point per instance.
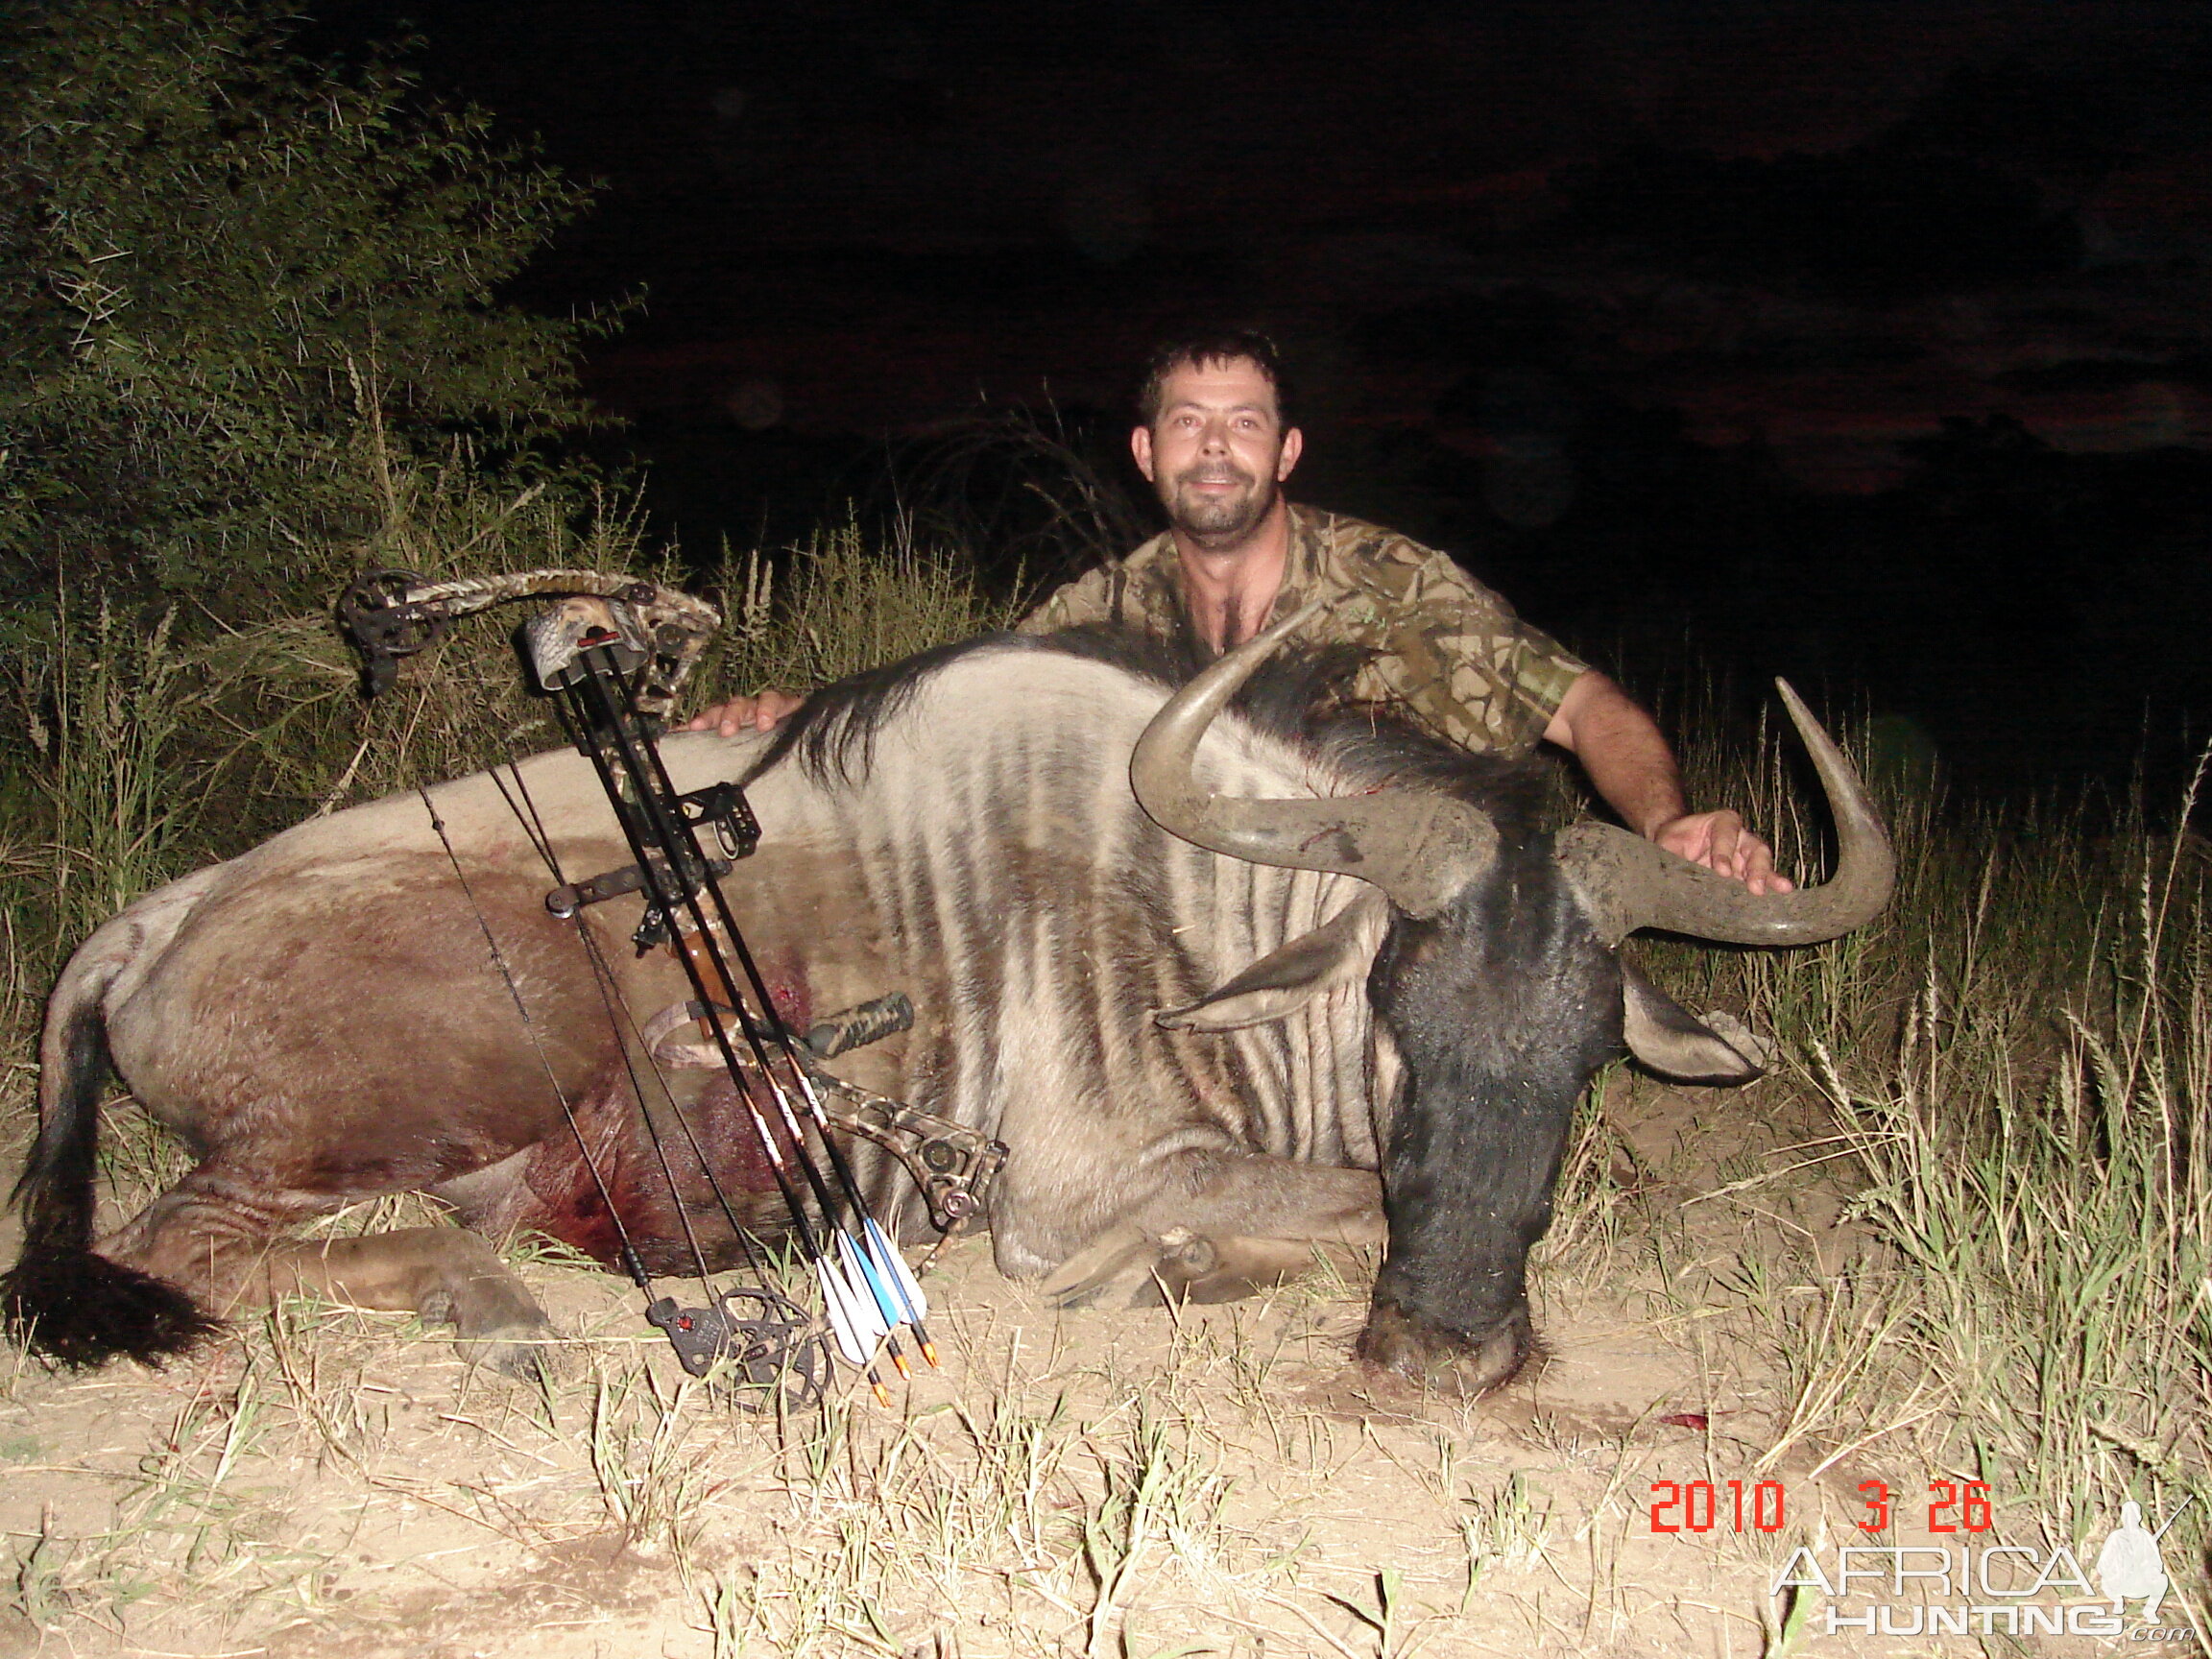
[
  {"x": 1275, "y": 633},
  {"x": 1814, "y": 735},
  {"x": 1414, "y": 846},
  {"x": 1632, "y": 884}
]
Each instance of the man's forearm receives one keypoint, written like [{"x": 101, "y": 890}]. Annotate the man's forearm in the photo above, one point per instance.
[
  {"x": 1628, "y": 761},
  {"x": 1622, "y": 750}
]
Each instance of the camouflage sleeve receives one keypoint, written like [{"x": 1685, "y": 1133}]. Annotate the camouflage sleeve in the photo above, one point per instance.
[
  {"x": 1455, "y": 655},
  {"x": 1077, "y": 604}
]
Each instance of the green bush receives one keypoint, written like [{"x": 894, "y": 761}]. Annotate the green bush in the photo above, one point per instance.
[{"x": 232, "y": 282}]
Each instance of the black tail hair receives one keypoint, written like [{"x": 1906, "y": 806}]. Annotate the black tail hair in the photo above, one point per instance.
[
  {"x": 60, "y": 1300},
  {"x": 55, "y": 1190}
]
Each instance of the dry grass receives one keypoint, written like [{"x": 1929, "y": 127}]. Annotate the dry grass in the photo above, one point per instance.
[
  {"x": 330, "y": 1467},
  {"x": 841, "y": 605}
]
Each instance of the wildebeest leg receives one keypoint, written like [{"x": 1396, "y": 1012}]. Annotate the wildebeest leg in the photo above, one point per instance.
[
  {"x": 216, "y": 1236},
  {"x": 1131, "y": 1271},
  {"x": 1221, "y": 1227},
  {"x": 448, "y": 1275}
]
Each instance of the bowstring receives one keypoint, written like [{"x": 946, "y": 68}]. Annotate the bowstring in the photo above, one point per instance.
[
  {"x": 621, "y": 1014},
  {"x": 631, "y": 1260}
]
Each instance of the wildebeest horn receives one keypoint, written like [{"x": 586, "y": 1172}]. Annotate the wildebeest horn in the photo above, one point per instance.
[
  {"x": 1630, "y": 883},
  {"x": 1418, "y": 846}
]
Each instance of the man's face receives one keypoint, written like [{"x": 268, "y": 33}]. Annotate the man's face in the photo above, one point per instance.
[{"x": 1216, "y": 450}]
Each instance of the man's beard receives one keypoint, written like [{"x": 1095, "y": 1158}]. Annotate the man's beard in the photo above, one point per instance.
[{"x": 1222, "y": 519}]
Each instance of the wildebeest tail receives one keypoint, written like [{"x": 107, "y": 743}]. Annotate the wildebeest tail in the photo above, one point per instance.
[{"x": 60, "y": 1299}]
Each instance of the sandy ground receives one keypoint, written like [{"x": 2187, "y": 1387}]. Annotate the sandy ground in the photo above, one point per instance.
[{"x": 1148, "y": 1483}]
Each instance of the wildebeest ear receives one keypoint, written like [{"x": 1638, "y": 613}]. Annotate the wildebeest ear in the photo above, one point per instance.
[
  {"x": 1672, "y": 1041},
  {"x": 1283, "y": 981}
]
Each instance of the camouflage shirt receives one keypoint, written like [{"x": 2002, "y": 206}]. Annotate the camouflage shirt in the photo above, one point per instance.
[{"x": 1448, "y": 653}]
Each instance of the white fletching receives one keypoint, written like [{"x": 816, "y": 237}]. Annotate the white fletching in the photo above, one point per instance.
[
  {"x": 851, "y": 1317},
  {"x": 872, "y": 1293}
]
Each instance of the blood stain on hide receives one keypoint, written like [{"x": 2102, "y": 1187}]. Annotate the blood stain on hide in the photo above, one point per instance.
[
  {"x": 789, "y": 993},
  {"x": 637, "y": 1177}
]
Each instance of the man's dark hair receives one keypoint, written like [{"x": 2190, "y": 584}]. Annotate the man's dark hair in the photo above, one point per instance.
[{"x": 1212, "y": 345}]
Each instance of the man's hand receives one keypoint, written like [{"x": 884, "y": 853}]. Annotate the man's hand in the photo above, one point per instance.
[
  {"x": 744, "y": 713},
  {"x": 1632, "y": 767},
  {"x": 1718, "y": 841}
]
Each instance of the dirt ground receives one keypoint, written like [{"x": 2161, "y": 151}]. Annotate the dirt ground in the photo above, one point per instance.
[{"x": 336, "y": 1485}]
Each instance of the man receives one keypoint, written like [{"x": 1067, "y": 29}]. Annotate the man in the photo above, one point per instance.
[{"x": 1216, "y": 446}]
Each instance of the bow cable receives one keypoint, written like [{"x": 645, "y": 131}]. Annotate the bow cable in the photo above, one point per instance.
[
  {"x": 618, "y": 1012},
  {"x": 631, "y": 1265},
  {"x": 771, "y": 1349}
]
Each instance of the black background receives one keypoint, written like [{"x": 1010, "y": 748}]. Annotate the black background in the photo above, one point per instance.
[{"x": 1861, "y": 342}]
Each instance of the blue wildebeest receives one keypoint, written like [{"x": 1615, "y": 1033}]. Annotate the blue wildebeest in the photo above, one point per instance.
[{"x": 1317, "y": 987}]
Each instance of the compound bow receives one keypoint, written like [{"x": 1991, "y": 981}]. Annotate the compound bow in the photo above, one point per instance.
[{"x": 615, "y": 652}]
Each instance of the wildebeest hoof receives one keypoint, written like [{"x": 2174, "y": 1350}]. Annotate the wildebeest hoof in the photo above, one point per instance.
[
  {"x": 531, "y": 1356},
  {"x": 1126, "y": 1267},
  {"x": 1449, "y": 1362},
  {"x": 1186, "y": 1256},
  {"x": 1129, "y": 1268},
  {"x": 516, "y": 1340},
  {"x": 1164, "y": 1271},
  {"x": 1108, "y": 1267}
]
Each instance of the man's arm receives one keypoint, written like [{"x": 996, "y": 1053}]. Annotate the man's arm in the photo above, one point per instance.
[
  {"x": 1074, "y": 605},
  {"x": 1631, "y": 766}
]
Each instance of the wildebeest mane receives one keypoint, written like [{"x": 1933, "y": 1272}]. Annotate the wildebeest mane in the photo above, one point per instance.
[
  {"x": 833, "y": 731},
  {"x": 1282, "y": 698},
  {"x": 832, "y": 734},
  {"x": 1295, "y": 695}
]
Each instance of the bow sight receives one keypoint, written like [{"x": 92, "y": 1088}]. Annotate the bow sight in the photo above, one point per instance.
[{"x": 615, "y": 652}]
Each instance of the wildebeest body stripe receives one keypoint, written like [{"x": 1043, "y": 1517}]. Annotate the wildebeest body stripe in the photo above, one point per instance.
[{"x": 1024, "y": 888}]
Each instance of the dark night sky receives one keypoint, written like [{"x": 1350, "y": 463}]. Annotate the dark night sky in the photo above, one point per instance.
[{"x": 1652, "y": 313}]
